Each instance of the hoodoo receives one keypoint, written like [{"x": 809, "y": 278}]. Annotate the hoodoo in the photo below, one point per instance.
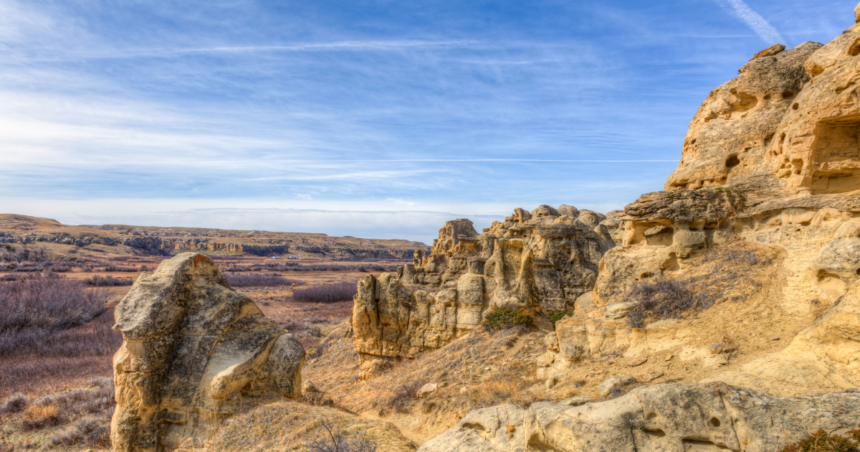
[{"x": 193, "y": 352}]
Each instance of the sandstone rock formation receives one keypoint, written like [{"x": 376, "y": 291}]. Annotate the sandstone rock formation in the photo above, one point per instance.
[
  {"x": 772, "y": 157},
  {"x": 193, "y": 352},
  {"x": 672, "y": 417},
  {"x": 772, "y": 162},
  {"x": 541, "y": 261}
]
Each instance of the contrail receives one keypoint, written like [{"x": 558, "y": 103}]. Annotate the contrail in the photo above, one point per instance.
[{"x": 754, "y": 20}]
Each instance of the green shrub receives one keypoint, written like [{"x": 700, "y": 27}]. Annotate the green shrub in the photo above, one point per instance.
[
  {"x": 501, "y": 317},
  {"x": 555, "y": 316},
  {"x": 820, "y": 441}
]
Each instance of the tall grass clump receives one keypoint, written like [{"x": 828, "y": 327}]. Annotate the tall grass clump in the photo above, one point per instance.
[{"x": 330, "y": 293}]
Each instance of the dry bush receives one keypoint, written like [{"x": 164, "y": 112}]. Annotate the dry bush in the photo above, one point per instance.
[
  {"x": 665, "y": 298},
  {"x": 91, "y": 430},
  {"x": 15, "y": 404},
  {"x": 108, "y": 281},
  {"x": 117, "y": 268},
  {"x": 502, "y": 317},
  {"x": 730, "y": 272},
  {"x": 333, "y": 440},
  {"x": 822, "y": 441},
  {"x": 47, "y": 301},
  {"x": 35, "y": 254},
  {"x": 40, "y": 416},
  {"x": 330, "y": 293},
  {"x": 258, "y": 280},
  {"x": 53, "y": 329}
]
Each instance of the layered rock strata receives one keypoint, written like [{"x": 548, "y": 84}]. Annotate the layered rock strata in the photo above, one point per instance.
[
  {"x": 194, "y": 351},
  {"x": 540, "y": 261}
]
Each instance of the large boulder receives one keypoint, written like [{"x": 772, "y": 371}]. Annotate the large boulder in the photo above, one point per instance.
[
  {"x": 194, "y": 351},
  {"x": 659, "y": 418}
]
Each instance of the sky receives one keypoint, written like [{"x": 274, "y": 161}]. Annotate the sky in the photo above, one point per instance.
[{"x": 369, "y": 118}]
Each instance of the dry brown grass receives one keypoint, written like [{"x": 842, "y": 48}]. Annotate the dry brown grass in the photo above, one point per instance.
[
  {"x": 481, "y": 369},
  {"x": 289, "y": 426},
  {"x": 732, "y": 272},
  {"x": 40, "y": 416}
]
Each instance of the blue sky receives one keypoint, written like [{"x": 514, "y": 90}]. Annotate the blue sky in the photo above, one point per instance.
[{"x": 366, "y": 118}]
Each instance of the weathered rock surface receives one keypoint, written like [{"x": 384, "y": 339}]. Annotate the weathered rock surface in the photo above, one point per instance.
[
  {"x": 193, "y": 352},
  {"x": 670, "y": 417},
  {"x": 736, "y": 125},
  {"x": 768, "y": 153},
  {"x": 823, "y": 357},
  {"x": 540, "y": 261}
]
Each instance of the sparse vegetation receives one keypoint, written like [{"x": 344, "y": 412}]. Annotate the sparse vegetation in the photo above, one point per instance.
[
  {"x": 37, "y": 417},
  {"x": 298, "y": 427},
  {"x": 34, "y": 254},
  {"x": 259, "y": 280},
  {"x": 555, "y": 316},
  {"x": 822, "y": 441},
  {"x": 715, "y": 279},
  {"x": 665, "y": 298},
  {"x": 15, "y": 404},
  {"x": 52, "y": 326},
  {"x": 502, "y": 317},
  {"x": 401, "y": 398},
  {"x": 117, "y": 268},
  {"x": 330, "y": 293},
  {"x": 107, "y": 281},
  {"x": 333, "y": 440}
]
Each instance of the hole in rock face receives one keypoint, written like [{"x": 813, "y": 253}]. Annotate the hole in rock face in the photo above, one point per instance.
[
  {"x": 767, "y": 97},
  {"x": 715, "y": 422},
  {"x": 836, "y": 154},
  {"x": 795, "y": 106},
  {"x": 854, "y": 50},
  {"x": 652, "y": 415},
  {"x": 815, "y": 70},
  {"x": 787, "y": 94},
  {"x": 658, "y": 433},
  {"x": 732, "y": 162},
  {"x": 858, "y": 272}
]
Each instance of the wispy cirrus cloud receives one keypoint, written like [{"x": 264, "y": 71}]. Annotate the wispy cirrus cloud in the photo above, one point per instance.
[
  {"x": 433, "y": 105},
  {"x": 754, "y": 20}
]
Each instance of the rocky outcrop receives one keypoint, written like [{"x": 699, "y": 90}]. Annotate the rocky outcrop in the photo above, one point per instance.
[
  {"x": 737, "y": 124},
  {"x": 540, "y": 261},
  {"x": 770, "y": 155},
  {"x": 193, "y": 352},
  {"x": 671, "y": 417}
]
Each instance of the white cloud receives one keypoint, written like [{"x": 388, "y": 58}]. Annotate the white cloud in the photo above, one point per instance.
[{"x": 758, "y": 24}]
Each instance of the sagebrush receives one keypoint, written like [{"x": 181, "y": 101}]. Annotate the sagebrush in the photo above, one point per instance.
[{"x": 502, "y": 317}]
